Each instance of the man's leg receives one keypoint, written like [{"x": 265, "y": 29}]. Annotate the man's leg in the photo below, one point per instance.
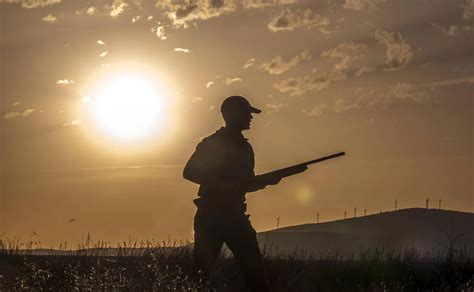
[
  {"x": 207, "y": 246},
  {"x": 242, "y": 241}
]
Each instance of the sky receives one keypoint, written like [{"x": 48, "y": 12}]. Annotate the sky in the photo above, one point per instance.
[{"x": 388, "y": 82}]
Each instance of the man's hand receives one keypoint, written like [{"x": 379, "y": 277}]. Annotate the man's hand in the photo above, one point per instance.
[
  {"x": 265, "y": 180},
  {"x": 270, "y": 180}
]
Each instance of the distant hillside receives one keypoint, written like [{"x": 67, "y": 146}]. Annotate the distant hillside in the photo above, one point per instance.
[{"x": 427, "y": 230}]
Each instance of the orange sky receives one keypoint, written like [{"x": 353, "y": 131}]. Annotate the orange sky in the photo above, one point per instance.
[{"x": 389, "y": 82}]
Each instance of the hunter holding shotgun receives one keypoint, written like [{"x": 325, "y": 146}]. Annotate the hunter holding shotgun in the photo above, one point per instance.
[{"x": 223, "y": 166}]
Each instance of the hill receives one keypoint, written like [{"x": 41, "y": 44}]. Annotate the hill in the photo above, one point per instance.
[{"x": 427, "y": 231}]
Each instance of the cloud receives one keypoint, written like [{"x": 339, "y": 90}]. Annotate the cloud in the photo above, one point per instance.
[
  {"x": 275, "y": 106},
  {"x": 103, "y": 54},
  {"x": 229, "y": 81},
  {"x": 278, "y": 66},
  {"x": 196, "y": 99},
  {"x": 368, "y": 97},
  {"x": 16, "y": 103},
  {"x": 340, "y": 105},
  {"x": 181, "y": 50},
  {"x": 249, "y": 63},
  {"x": 361, "y": 4},
  {"x": 265, "y": 3},
  {"x": 91, "y": 10},
  {"x": 288, "y": 20},
  {"x": 453, "y": 30},
  {"x": 100, "y": 42},
  {"x": 468, "y": 9},
  {"x": 50, "y": 18},
  {"x": 136, "y": 18},
  {"x": 301, "y": 85},
  {"x": 384, "y": 96},
  {"x": 315, "y": 110},
  {"x": 64, "y": 82},
  {"x": 404, "y": 92},
  {"x": 363, "y": 70},
  {"x": 73, "y": 123},
  {"x": 10, "y": 115},
  {"x": 398, "y": 52},
  {"x": 33, "y": 3},
  {"x": 27, "y": 112},
  {"x": 209, "y": 84},
  {"x": 183, "y": 14},
  {"x": 350, "y": 54},
  {"x": 15, "y": 114},
  {"x": 117, "y": 7},
  {"x": 159, "y": 31},
  {"x": 352, "y": 57},
  {"x": 449, "y": 82}
]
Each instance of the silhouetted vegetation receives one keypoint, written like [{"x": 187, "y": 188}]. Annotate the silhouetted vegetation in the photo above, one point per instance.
[{"x": 165, "y": 267}]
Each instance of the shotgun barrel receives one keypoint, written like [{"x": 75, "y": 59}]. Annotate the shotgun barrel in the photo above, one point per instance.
[{"x": 298, "y": 168}]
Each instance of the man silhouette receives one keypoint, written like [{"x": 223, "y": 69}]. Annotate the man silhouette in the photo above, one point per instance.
[{"x": 223, "y": 166}]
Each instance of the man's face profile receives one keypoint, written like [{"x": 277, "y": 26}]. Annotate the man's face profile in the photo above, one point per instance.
[{"x": 239, "y": 120}]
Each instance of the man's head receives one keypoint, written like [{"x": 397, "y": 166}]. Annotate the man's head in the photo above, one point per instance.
[{"x": 237, "y": 112}]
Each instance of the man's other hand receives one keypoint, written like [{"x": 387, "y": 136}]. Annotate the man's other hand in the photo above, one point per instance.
[
  {"x": 265, "y": 180},
  {"x": 272, "y": 180}
]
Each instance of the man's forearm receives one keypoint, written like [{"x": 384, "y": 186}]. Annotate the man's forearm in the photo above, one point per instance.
[
  {"x": 227, "y": 184},
  {"x": 214, "y": 181}
]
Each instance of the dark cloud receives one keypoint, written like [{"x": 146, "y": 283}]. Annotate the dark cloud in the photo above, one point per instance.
[
  {"x": 184, "y": 12},
  {"x": 289, "y": 19},
  {"x": 398, "y": 52},
  {"x": 350, "y": 54}
]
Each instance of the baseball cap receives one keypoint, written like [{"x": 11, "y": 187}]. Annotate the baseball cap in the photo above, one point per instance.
[{"x": 238, "y": 103}]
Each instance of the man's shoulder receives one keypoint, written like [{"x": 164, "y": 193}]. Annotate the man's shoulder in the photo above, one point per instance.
[
  {"x": 215, "y": 140},
  {"x": 222, "y": 139}
]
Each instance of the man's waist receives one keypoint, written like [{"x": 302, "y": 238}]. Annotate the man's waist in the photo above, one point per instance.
[
  {"x": 220, "y": 205},
  {"x": 212, "y": 191}
]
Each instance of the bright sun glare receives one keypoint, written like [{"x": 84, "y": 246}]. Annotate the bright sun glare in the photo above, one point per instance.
[{"x": 128, "y": 107}]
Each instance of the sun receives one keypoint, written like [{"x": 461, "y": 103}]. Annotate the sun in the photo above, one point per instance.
[{"x": 127, "y": 107}]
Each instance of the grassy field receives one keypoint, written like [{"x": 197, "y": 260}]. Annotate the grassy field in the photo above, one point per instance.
[{"x": 165, "y": 268}]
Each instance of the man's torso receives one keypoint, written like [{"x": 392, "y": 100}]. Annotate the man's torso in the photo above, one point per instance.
[{"x": 231, "y": 158}]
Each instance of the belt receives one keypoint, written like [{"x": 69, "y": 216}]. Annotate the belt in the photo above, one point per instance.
[{"x": 208, "y": 205}]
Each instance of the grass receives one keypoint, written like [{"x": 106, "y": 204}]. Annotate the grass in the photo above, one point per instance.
[{"x": 153, "y": 266}]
